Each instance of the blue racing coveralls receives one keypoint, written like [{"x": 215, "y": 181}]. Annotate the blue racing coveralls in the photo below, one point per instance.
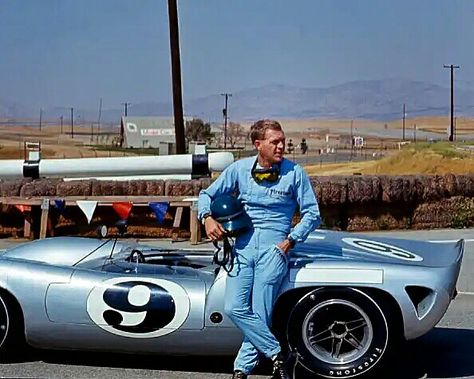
[{"x": 260, "y": 265}]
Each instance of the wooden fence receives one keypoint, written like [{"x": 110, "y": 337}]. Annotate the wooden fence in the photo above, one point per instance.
[{"x": 181, "y": 203}]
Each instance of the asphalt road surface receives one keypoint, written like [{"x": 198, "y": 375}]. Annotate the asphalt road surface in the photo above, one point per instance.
[{"x": 445, "y": 352}]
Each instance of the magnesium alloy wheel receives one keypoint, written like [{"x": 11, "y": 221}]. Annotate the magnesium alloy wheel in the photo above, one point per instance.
[
  {"x": 4, "y": 323},
  {"x": 11, "y": 329},
  {"x": 338, "y": 332}
]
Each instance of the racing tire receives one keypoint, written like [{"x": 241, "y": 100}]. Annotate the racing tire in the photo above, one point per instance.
[
  {"x": 12, "y": 340},
  {"x": 339, "y": 332}
]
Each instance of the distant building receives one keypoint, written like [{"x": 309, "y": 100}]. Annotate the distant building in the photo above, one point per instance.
[
  {"x": 333, "y": 138},
  {"x": 145, "y": 132}
]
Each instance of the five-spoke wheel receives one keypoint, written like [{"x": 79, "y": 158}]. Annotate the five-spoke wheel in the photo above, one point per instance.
[{"x": 338, "y": 332}]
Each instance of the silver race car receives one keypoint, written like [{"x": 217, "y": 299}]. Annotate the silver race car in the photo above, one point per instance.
[{"x": 345, "y": 303}]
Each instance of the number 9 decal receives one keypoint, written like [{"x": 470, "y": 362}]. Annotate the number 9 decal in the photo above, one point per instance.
[
  {"x": 138, "y": 308},
  {"x": 383, "y": 249}
]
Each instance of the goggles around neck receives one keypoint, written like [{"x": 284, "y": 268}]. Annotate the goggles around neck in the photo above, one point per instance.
[{"x": 270, "y": 174}]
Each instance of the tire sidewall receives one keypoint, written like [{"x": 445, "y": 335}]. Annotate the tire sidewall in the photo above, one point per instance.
[
  {"x": 4, "y": 314},
  {"x": 364, "y": 364}
]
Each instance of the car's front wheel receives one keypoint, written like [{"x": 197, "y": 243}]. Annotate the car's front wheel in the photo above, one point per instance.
[
  {"x": 339, "y": 332},
  {"x": 11, "y": 332}
]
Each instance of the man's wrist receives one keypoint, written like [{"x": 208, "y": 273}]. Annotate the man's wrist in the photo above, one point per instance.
[
  {"x": 204, "y": 217},
  {"x": 291, "y": 241}
]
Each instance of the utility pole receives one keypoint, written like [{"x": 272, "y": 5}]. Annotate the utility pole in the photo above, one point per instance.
[
  {"x": 98, "y": 121},
  {"x": 225, "y": 114},
  {"x": 403, "y": 127},
  {"x": 41, "y": 118},
  {"x": 455, "y": 128},
  {"x": 414, "y": 133},
  {"x": 352, "y": 138},
  {"x": 124, "y": 104},
  {"x": 451, "y": 131},
  {"x": 72, "y": 122},
  {"x": 61, "y": 124},
  {"x": 176, "y": 76}
]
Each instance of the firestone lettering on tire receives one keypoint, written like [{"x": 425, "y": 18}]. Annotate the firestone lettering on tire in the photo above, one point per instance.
[
  {"x": 369, "y": 362},
  {"x": 138, "y": 308}
]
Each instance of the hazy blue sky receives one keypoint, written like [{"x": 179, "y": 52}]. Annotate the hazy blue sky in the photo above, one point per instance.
[{"x": 72, "y": 52}]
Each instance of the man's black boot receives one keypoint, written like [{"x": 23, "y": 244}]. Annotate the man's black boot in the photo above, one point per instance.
[
  {"x": 239, "y": 375},
  {"x": 279, "y": 368}
]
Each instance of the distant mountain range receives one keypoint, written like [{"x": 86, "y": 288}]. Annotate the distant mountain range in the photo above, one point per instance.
[{"x": 368, "y": 99}]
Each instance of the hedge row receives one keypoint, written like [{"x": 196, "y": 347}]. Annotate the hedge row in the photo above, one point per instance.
[
  {"x": 330, "y": 190},
  {"x": 368, "y": 202}
]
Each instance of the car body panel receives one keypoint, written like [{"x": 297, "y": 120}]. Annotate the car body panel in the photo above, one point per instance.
[{"x": 79, "y": 293}]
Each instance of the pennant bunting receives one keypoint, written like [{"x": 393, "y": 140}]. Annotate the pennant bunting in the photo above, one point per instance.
[
  {"x": 160, "y": 209},
  {"x": 122, "y": 208},
  {"x": 59, "y": 204},
  {"x": 87, "y": 207},
  {"x": 23, "y": 208}
]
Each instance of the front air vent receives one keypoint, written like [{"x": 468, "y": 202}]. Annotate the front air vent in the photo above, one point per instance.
[{"x": 422, "y": 299}]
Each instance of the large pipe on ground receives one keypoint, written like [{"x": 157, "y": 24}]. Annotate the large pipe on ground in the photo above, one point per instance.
[{"x": 181, "y": 166}]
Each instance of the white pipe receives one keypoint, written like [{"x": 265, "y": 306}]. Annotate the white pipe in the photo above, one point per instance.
[
  {"x": 185, "y": 164},
  {"x": 149, "y": 165},
  {"x": 11, "y": 168},
  {"x": 219, "y": 161},
  {"x": 135, "y": 177}
]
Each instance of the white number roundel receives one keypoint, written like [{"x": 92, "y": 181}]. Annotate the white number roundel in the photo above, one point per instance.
[
  {"x": 382, "y": 249},
  {"x": 138, "y": 307}
]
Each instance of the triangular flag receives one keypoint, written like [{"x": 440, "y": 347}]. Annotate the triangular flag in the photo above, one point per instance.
[
  {"x": 160, "y": 209},
  {"x": 23, "y": 208},
  {"x": 59, "y": 205},
  {"x": 122, "y": 208},
  {"x": 88, "y": 207}
]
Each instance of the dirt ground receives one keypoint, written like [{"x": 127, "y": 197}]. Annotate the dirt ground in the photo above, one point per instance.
[
  {"x": 321, "y": 136},
  {"x": 54, "y": 144}
]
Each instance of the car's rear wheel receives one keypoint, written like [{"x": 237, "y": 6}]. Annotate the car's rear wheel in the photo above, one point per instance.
[{"x": 339, "y": 332}]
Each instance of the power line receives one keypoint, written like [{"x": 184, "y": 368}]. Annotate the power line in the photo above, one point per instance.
[{"x": 451, "y": 131}]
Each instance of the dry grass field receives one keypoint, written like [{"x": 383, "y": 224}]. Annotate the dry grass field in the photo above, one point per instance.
[
  {"x": 54, "y": 144},
  {"x": 411, "y": 160},
  {"x": 437, "y": 124},
  {"x": 439, "y": 158}
]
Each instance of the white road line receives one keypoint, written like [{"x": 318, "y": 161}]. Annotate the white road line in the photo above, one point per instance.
[
  {"x": 450, "y": 241},
  {"x": 466, "y": 293}
]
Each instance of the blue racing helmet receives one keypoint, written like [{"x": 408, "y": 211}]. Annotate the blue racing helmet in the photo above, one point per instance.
[{"x": 230, "y": 213}]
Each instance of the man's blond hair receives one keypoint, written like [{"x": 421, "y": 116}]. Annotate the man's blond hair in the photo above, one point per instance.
[{"x": 257, "y": 130}]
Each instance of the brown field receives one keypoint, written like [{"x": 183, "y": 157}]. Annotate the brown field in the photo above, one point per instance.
[
  {"x": 53, "y": 143},
  {"x": 436, "y": 124},
  {"x": 315, "y": 130},
  {"x": 57, "y": 145},
  {"x": 409, "y": 161}
]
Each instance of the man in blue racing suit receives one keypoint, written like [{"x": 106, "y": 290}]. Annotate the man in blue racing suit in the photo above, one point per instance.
[{"x": 270, "y": 188}]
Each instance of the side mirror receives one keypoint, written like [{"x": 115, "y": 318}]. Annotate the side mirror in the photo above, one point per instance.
[
  {"x": 101, "y": 231},
  {"x": 121, "y": 227}
]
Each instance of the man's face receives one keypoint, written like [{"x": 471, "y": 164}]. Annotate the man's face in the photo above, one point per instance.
[{"x": 272, "y": 147}]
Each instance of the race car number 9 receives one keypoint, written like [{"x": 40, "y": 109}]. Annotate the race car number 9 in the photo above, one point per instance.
[
  {"x": 383, "y": 249},
  {"x": 138, "y": 308}
]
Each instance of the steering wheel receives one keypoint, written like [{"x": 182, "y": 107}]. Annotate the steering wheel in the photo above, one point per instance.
[{"x": 137, "y": 256}]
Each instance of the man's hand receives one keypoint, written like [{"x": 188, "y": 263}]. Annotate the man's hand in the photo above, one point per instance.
[
  {"x": 214, "y": 229},
  {"x": 285, "y": 246}
]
